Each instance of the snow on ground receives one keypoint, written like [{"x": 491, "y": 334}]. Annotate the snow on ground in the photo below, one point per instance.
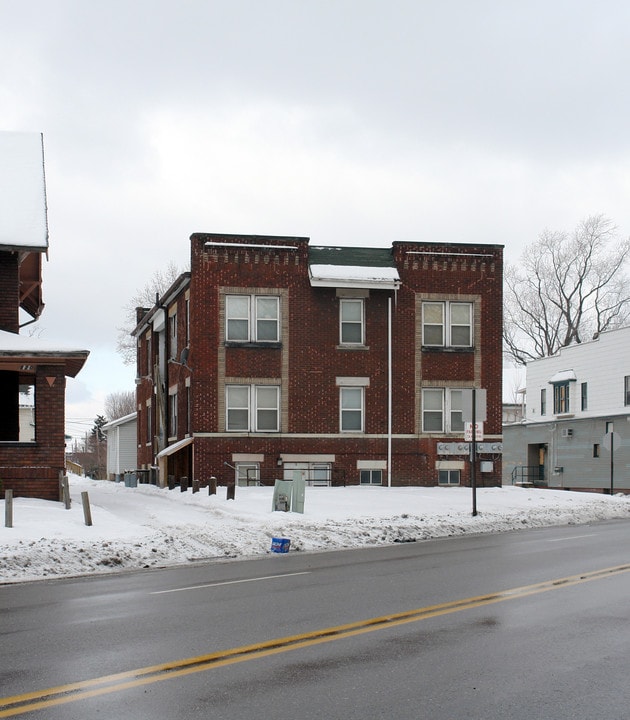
[{"x": 147, "y": 527}]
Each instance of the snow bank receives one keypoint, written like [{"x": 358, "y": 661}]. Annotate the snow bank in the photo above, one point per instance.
[{"x": 147, "y": 527}]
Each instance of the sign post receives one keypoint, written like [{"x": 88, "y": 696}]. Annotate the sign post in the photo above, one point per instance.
[
  {"x": 609, "y": 438},
  {"x": 474, "y": 412}
]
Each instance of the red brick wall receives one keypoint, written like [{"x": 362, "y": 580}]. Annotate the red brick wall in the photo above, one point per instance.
[
  {"x": 9, "y": 292},
  {"x": 310, "y": 351},
  {"x": 33, "y": 469}
]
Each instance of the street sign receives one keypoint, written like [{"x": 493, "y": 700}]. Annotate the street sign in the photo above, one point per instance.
[
  {"x": 480, "y": 405},
  {"x": 468, "y": 432},
  {"x": 613, "y": 439}
]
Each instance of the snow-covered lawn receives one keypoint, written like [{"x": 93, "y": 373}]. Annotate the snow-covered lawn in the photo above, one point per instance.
[{"x": 150, "y": 527}]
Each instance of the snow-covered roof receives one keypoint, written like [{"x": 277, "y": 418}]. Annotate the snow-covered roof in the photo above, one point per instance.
[
  {"x": 23, "y": 219},
  {"x": 354, "y": 276},
  {"x": 120, "y": 421},
  {"x": 20, "y": 349},
  {"x": 353, "y": 268},
  {"x": 13, "y": 344},
  {"x": 175, "y": 447}
]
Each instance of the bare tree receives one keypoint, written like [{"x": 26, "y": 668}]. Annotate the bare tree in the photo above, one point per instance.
[
  {"x": 569, "y": 287},
  {"x": 159, "y": 283},
  {"x": 119, "y": 404}
]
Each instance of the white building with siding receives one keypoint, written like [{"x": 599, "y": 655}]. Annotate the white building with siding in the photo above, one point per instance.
[
  {"x": 575, "y": 399},
  {"x": 122, "y": 444}
]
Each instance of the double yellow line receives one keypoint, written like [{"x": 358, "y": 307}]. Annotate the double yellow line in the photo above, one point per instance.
[{"x": 28, "y": 702}]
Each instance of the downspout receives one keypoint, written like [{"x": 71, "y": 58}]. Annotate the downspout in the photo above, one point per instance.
[{"x": 389, "y": 391}]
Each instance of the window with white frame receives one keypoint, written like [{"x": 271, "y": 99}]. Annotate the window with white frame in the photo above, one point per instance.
[
  {"x": 319, "y": 474},
  {"x": 351, "y": 409},
  {"x": 543, "y": 401},
  {"x": 626, "y": 390},
  {"x": 252, "y": 408},
  {"x": 447, "y": 324},
  {"x": 351, "y": 322},
  {"x": 247, "y": 473},
  {"x": 252, "y": 318},
  {"x": 442, "y": 410}
]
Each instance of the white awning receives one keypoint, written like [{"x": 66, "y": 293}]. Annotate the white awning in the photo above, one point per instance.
[
  {"x": 175, "y": 447},
  {"x": 563, "y": 376},
  {"x": 354, "y": 276}
]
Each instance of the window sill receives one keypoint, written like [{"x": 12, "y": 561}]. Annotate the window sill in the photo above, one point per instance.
[
  {"x": 440, "y": 349},
  {"x": 353, "y": 347},
  {"x": 256, "y": 345}
]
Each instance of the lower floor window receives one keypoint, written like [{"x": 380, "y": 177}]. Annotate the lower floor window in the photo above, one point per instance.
[
  {"x": 448, "y": 477},
  {"x": 253, "y": 408},
  {"x": 247, "y": 474},
  {"x": 371, "y": 477}
]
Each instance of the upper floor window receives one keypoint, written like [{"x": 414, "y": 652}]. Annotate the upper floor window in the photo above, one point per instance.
[
  {"x": 543, "y": 401},
  {"x": 252, "y": 318},
  {"x": 561, "y": 398},
  {"x": 172, "y": 325},
  {"x": 447, "y": 324},
  {"x": 442, "y": 410},
  {"x": 626, "y": 390},
  {"x": 352, "y": 330},
  {"x": 252, "y": 408},
  {"x": 584, "y": 396}
]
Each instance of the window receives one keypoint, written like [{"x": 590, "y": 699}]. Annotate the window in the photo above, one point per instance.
[
  {"x": 596, "y": 450},
  {"x": 543, "y": 401},
  {"x": 371, "y": 477},
  {"x": 252, "y": 408},
  {"x": 254, "y": 318},
  {"x": 187, "y": 322},
  {"x": 584, "y": 396},
  {"x": 149, "y": 356},
  {"x": 448, "y": 477},
  {"x": 188, "y": 409},
  {"x": 561, "y": 398},
  {"x": 172, "y": 414},
  {"x": 442, "y": 410},
  {"x": 447, "y": 324},
  {"x": 247, "y": 473},
  {"x": 626, "y": 388},
  {"x": 351, "y": 321},
  {"x": 149, "y": 436},
  {"x": 172, "y": 324},
  {"x": 351, "y": 401},
  {"x": 320, "y": 474}
]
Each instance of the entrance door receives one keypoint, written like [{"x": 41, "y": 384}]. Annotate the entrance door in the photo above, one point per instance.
[{"x": 542, "y": 461}]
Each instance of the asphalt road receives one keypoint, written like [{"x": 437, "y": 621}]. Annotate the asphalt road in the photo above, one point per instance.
[{"x": 533, "y": 624}]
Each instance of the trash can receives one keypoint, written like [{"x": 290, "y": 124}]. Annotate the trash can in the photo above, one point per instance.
[
  {"x": 131, "y": 480},
  {"x": 280, "y": 545}
]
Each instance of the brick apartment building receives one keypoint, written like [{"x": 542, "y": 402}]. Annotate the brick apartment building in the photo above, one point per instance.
[
  {"x": 273, "y": 357},
  {"x": 31, "y": 459}
]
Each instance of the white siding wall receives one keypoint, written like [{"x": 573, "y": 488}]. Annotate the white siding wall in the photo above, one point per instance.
[
  {"x": 601, "y": 363},
  {"x": 122, "y": 445}
]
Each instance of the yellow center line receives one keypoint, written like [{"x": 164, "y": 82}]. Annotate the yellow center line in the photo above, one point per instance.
[{"x": 61, "y": 694}]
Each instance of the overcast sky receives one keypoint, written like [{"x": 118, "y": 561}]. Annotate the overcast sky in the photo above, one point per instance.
[{"x": 355, "y": 122}]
